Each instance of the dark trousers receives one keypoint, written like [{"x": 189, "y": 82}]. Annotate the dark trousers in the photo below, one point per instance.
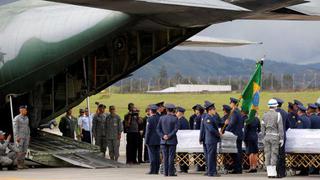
[
  {"x": 183, "y": 166},
  {"x": 86, "y": 137},
  {"x": 140, "y": 148},
  {"x": 203, "y": 167},
  {"x": 237, "y": 158},
  {"x": 132, "y": 147},
  {"x": 168, "y": 153},
  {"x": 154, "y": 157},
  {"x": 211, "y": 159},
  {"x": 281, "y": 163},
  {"x": 145, "y": 154}
]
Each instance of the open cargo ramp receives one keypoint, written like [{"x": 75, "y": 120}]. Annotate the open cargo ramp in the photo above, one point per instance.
[{"x": 57, "y": 151}]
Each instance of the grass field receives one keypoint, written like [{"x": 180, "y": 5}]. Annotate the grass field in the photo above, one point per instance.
[{"x": 188, "y": 100}]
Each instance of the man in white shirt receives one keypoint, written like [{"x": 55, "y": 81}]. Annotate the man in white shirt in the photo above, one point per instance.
[{"x": 84, "y": 122}]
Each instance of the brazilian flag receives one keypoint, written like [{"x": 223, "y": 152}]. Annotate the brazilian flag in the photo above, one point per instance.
[{"x": 251, "y": 94}]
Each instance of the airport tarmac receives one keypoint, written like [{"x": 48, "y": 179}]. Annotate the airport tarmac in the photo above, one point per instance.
[{"x": 131, "y": 172}]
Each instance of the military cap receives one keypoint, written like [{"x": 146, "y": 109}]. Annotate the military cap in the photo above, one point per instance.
[
  {"x": 81, "y": 110},
  {"x": 208, "y": 104},
  {"x": 195, "y": 106},
  {"x": 160, "y": 103},
  {"x": 86, "y": 110},
  {"x": 312, "y": 106},
  {"x": 170, "y": 106},
  {"x": 234, "y": 100},
  {"x": 199, "y": 107},
  {"x": 153, "y": 107},
  {"x": 226, "y": 108},
  {"x": 23, "y": 107},
  {"x": 2, "y": 133},
  {"x": 317, "y": 104},
  {"x": 181, "y": 109},
  {"x": 280, "y": 101},
  {"x": 102, "y": 106},
  {"x": 302, "y": 108},
  {"x": 297, "y": 102}
]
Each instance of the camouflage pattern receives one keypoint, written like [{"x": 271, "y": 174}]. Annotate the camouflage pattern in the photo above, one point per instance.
[
  {"x": 114, "y": 128},
  {"x": 7, "y": 159},
  {"x": 22, "y": 132},
  {"x": 99, "y": 131},
  {"x": 273, "y": 132}
]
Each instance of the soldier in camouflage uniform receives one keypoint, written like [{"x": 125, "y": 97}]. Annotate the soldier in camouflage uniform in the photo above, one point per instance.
[
  {"x": 99, "y": 128},
  {"x": 7, "y": 159},
  {"x": 273, "y": 133},
  {"x": 21, "y": 133},
  {"x": 113, "y": 129}
]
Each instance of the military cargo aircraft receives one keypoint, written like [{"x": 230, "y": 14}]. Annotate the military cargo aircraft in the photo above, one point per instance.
[{"x": 54, "y": 54}]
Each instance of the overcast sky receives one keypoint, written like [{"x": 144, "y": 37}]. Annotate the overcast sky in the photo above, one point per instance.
[{"x": 289, "y": 41}]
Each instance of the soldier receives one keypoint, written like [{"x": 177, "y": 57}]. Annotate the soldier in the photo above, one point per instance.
[
  {"x": 153, "y": 140},
  {"x": 318, "y": 108},
  {"x": 131, "y": 127},
  {"x": 161, "y": 109},
  {"x": 7, "y": 159},
  {"x": 226, "y": 113},
  {"x": 183, "y": 125},
  {"x": 69, "y": 125},
  {"x": 193, "y": 116},
  {"x": 84, "y": 123},
  {"x": 167, "y": 130},
  {"x": 144, "y": 121},
  {"x": 113, "y": 133},
  {"x": 210, "y": 136},
  {"x": 292, "y": 116},
  {"x": 99, "y": 128},
  {"x": 281, "y": 164},
  {"x": 273, "y": 132},
  {"x": 296, "y": 103},
  {"x": 251, "y": 141},
  {"x": 303, "y": 122},
  {"x": 314, "y": 118},
  {"x": 235, "y": 125},
  {"x": 315, "y": 124},
  {"x": 21, "y": 132}
]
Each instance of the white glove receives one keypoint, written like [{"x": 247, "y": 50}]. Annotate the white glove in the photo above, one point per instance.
[{"x": 281, "y": 143}]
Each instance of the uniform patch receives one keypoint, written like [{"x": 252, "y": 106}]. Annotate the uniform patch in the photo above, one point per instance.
[{"x": 208, "y": 120}]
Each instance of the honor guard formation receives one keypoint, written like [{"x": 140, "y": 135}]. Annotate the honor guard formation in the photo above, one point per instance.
[{"x": 153, "y": 138}]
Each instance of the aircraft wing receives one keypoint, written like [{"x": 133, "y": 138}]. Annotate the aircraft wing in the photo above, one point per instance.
[
  {"x": 200, "y": 41},
  {"x": 200, "y": 13}
]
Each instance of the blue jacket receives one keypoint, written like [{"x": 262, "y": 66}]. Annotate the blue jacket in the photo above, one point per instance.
[
  {"x": 183, "y": 123},
  {"x": 285, "y": 120},
  {"x": 292, "y": 118},
  {"x": 303, "y": 122},
  {"x": 151, "y": 136},
  {"x": 168, "y": 125},
  {"x": 209, "y": 132},
  {"x": 315, "y": 121},
  {"x": 191, "y": 120},
  {"x": 236, "y": 124},
  {"x": 251, "y": 130},
  {"x": 197, "y": 122}
]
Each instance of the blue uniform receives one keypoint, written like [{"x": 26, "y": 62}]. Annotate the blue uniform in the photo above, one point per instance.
[
  {"x": 303, "y": 122},
  {"x": 183, "y": 123},
  {"x": 236, "y": 127},
  {"x": 210, "y": 137},
  {"x": 153, "y": 143},
  {"x": 292, "y": 118},
  {"x": 168, "y": 125},
  {"x": 315, "y": 121},
  {"x": 191, "y": 120},
  {"x": 197, "y": 122},
  {"x": 251, "y": 136}
]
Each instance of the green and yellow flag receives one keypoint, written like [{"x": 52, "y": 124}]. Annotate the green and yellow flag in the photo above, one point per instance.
[{"x": 251, "y": 94}]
